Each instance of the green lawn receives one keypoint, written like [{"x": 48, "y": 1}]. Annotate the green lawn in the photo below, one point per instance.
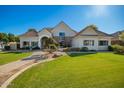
[
  {"x": 6, "y": 57},
  {"x": 100, "y": 70}
]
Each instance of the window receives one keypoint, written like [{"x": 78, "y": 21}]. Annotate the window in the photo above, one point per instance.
[
  {"x": 103, "y": 43},
  {"x": 34, "y": 44},
  {"x": 62, "y": 36},
  {"x": 88, "y": 42},
  {"x": 25, "y": 43}
]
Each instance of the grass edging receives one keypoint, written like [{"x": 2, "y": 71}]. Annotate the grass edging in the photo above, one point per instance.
[{"x": 7, "y": 82}]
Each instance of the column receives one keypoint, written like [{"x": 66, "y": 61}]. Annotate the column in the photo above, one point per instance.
[
  {"x": 21, "y": 44},
  {"x": 30, "y": 45},
  {"x": 97, "y": 44},
  {"x": 109, "y": 42}
]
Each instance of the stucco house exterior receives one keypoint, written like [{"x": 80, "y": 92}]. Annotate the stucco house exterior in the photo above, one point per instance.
[{"x": 67, "y": 37}]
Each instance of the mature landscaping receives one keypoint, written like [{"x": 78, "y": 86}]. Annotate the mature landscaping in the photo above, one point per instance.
[
  {"x": 7, "y": 57},
  {"x": 76, "y": 70}
]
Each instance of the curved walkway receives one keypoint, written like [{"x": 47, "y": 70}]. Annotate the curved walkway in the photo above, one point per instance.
[{"x": 7, "y": 70}]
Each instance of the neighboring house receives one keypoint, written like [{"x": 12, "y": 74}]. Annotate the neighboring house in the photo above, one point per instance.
[
  {"x": 67, "y": 37},
  {"x": 117, "y": 34},
  {"x": 116, "y": 38}
]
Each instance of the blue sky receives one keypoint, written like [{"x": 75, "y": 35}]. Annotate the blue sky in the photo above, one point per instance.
[{"x": 18, "y": 19}]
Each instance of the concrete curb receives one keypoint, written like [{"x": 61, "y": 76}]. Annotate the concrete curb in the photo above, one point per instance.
[{"x": 7, "y": 82}]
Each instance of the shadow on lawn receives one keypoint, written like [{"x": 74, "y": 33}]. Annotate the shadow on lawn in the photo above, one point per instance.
[{"x": 79, "y": 54}]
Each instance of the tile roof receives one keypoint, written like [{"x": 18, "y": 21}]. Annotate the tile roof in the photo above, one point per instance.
[{"x": 30, "y": 33}]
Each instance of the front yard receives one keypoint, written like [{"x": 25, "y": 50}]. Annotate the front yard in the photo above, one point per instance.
[
  {"x": 7, "y": 57},
  {"x": 75, "y": 71}
]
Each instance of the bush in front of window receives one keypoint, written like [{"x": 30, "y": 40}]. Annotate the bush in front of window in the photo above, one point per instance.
[
  {"x": 118, "y": 49},
  {"x": 110, "y": 48},
  {"x": 7, "y": 47},
  {"x": 84, "y": 49},
  {"x": 75, "y": 49},
  {"x": 25, "y": 48},
  {"x": 36, "y": 48}
]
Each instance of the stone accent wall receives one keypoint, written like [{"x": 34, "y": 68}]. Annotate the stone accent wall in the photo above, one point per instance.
[{"x": 67, "y": 42}]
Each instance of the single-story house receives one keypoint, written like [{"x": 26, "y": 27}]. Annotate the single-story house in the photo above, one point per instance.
[{"x": 67, "y": 37}]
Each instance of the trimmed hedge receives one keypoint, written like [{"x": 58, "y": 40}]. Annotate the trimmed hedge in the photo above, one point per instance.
[
  {"x": 25, "y": 48},
  {"x": 75, "y": 49},
  {"x": 84, "y": 49},
  {"x": 36, "y": 48}
]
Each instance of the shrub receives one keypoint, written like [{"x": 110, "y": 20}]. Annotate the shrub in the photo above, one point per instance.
[
  {"x": 110, "y": 48},
  {"x": 7, "y": 47},
  {"x": 118, "y": 49},
  {"x": 93, "y": 50},
  {"x": 22, "y": 48},
  {"x": 84, "y": 49},
  {"x": 25, "y": 48},
  {"x": 75, "y": 49},
  {"x": 35, "y": 48}
]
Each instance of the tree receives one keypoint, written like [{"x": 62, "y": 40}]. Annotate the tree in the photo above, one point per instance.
[
  {"x": 5, "y": 38},
  {"x": 11, "y": 37},
  {"x": 1, "y": 36},
  {"x": 122, "y": 36},
  {"x": 93, "y": 26},
  {"x": 32, "y": 29},
  {"x": 17, "y": 39}
]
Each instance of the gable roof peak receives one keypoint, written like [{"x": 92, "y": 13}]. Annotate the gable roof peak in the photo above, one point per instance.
[
  {"x": 62, "y": 22},
  {"x": 99, "y": 33},
  {"x": 49, "y": 29}
]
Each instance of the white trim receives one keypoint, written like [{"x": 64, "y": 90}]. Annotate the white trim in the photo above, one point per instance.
[{"x": 40, "y": 38}]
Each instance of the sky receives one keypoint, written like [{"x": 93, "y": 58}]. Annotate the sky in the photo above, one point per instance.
[{"x": 18, "y": 19}]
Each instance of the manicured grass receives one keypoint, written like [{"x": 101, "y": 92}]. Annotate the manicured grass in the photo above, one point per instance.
[
  {"x": 7, "y": 57},
  {"x": 100, "y": 70}
]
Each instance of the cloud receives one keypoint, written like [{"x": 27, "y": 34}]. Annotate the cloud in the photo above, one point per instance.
[{"x": 97, "y": 11}]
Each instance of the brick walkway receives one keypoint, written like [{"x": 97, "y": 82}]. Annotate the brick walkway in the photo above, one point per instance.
[{"x": 7, "y": 70}]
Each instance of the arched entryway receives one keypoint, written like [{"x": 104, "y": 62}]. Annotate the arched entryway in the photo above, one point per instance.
[
  {"x": 48, "y": 43},
  {"x": 44, "y": 42}
]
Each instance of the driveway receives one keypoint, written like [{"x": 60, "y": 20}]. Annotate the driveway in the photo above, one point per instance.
[{"x": 7, "y": 70}]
